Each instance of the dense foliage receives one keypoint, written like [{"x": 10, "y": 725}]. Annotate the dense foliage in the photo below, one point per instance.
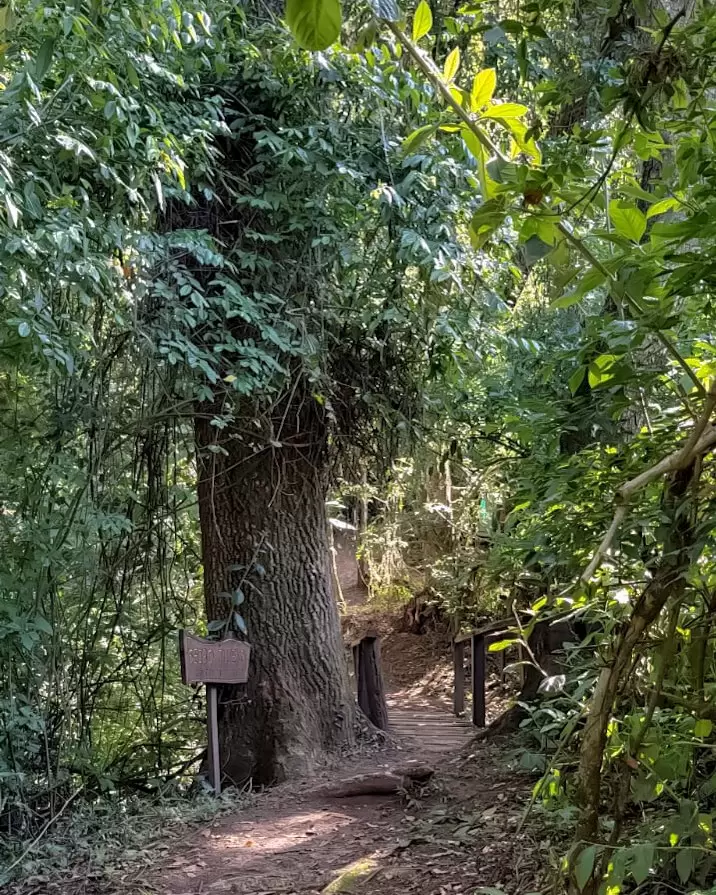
[{"x": 479, "y": 250}]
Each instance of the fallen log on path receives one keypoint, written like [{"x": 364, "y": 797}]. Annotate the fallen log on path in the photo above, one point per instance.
[{"x": 383, "y": 783}]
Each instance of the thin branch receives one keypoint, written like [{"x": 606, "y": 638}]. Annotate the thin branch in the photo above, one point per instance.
[
  {"x": 699, "y": 442},
  {"x": 434, "y": 76},
  {"x": 42, "y": 832}
]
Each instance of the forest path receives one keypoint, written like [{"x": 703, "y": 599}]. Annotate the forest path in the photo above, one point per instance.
[
  {"x": 454, "y": 836},
  {"x": 457, "y": 835}
]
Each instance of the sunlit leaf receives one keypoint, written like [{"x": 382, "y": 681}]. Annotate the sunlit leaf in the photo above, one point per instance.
[
  {"x": 505, "y": 110},
  {"x": 422, "y": 20},
  {"x": 662, "y": 207},
  {"x": 499, "y": 645},
  {"x": 628, "y": 221},
  {"x": 452, "y": 63},
  {"x": 315, "y": 24},
  {"x": 483, "y": 86}
]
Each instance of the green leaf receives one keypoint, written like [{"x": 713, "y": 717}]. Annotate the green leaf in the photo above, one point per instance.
[
  {"x": 589, "y": 281},
  {"x": 576, "y": 379},
  {"x": 133, "y": 76},
  {"x": 482, "y": 88},
  {"x": 599, "y": 369},
  {"x": 685, "y": 864},
  {"x": 315, "y": 24},
  {"x": 663, "y": 206},
  {"x": 13, "y": 212},
  {"x": 23, "y": 329},
  {"x": 5, "y": 19},
  {"x": 703, "y": 727},
  {"x": 452, "y": 63},
  {"x": 641, "y": 861},
  {"x": 485, "y": 221},
  {"x": 584, "y": 865},
  {"x": 387, "y": 10},
  {"x": 422, "y": 21},
  {"x": 628, "y": 221},
  {"x": 535, "y": 249},
  {"x": 501, "y": 645},
  {"x": 472, "y": 143},
  {"x": 216, "y": 625},
  {"x": 494, "y": 36},
  {"x": 240, "y": 623},
  {"x": 566, "y": 301},
  {"x": 478, "y": 151},
  {"x": 238, "y": 597},
  {"x": 418, "y": 137},
  {"x": 44, "y": 58},
  {"x": 506, "y": 110}
]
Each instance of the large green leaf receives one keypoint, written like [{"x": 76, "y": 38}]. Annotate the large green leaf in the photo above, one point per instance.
[
  {"x": 482, "y": 88},
  {"x": 685, "y": 864},
  {"x": 44, "y": 58},
  {"x": 628, "y": 221},
  {"x": 315, "y": 24},
  {"x": 418, "y": 137},
  {"x": 584, "y": 866},
  {"x": 422, "y": 20},
  {"x": 641, "y": 861},
  {"x": 505, "y": 110},
  {"x": 663, "y": 206}
]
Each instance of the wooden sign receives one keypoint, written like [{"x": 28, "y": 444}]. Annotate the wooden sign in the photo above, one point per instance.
[{"x": 213, "y": 661}]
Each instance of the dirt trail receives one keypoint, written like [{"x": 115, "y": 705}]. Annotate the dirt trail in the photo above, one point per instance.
[{"x": 457, "y": 835}]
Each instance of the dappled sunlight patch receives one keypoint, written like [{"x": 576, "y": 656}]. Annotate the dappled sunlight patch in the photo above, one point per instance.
[{"x": 352, "y": 877}]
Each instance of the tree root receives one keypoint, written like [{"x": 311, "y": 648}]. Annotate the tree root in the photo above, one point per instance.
[{"x": 387, "y": 783}]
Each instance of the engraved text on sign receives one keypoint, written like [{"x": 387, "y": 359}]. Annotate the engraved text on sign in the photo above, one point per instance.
[{"x": 213, "y": 661}]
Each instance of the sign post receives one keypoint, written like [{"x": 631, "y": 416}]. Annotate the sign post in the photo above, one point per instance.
[{"x": 213, "y": 662}]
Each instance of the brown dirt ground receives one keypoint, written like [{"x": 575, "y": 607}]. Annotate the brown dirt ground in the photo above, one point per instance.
[
  {"x": 457, "y": 835},
  {"x": 460, "y": 834}
]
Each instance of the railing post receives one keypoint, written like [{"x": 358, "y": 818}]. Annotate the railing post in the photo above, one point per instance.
[
  {"x": 478, "y": 680},
  {"x": 458, "y": 660},
  {"x": 369, "y": 681}
]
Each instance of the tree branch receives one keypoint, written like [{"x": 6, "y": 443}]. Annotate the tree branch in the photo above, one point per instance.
[{"x": 434, "y": 76}]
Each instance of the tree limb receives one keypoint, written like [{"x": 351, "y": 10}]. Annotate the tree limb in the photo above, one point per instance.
[{"x": 434, "y": 76}]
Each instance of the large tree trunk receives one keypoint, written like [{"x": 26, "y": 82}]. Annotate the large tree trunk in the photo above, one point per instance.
[{"x": 263, "y": 523}]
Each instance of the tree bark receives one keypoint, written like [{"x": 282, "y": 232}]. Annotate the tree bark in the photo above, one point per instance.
[{"x": 264, "y": 529}]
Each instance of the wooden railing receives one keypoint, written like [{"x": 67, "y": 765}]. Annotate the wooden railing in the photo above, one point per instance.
[
  {"x": 479, "y": 639},
  {"x": 369, "y": 680}
]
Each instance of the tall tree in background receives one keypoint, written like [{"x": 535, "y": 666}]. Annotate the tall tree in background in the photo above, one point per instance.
[{"x": 316, "y": 344}]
